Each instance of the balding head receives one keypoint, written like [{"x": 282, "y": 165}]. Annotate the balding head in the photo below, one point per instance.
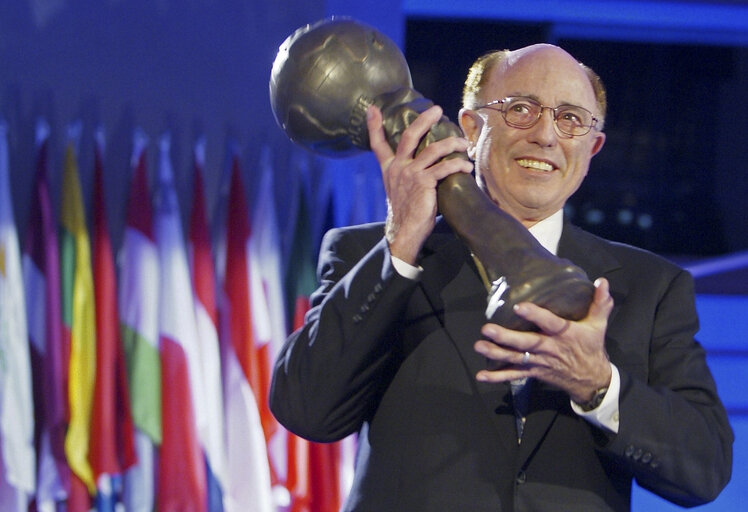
[{"x": 494, "y": 63}]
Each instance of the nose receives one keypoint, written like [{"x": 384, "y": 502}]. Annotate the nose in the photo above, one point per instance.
[{"x": 544, "y": 131}]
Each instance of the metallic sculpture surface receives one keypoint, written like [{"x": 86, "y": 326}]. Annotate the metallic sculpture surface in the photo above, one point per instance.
[{"x": 324, "y": 78}]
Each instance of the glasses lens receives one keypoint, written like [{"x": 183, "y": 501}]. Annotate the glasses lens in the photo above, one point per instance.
[
  {"x": 573, "y": 120},
  {"x": 521, "y": 112}
]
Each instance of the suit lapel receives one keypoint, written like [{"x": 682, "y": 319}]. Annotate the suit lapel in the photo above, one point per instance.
[
  {"x": 590, "y": 253},
  {"x": 586, "y": 251},
  {"x": 453, "y": 286}
]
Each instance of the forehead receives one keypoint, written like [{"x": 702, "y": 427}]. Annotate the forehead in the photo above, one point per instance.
[{"x": 545, "y": 72}]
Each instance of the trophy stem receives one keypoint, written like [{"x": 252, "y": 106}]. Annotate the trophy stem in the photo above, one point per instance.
[
  {"x": 518, "y": 268},
  {"x": 515, "y": 265}
]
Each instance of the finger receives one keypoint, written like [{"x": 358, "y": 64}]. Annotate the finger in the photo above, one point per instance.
[
  {"x": 515, "y": 342},
  {"x": 498, "y": 353},
  {"x": 377, "y": 139},
  {"x": 437, "y": 151},
  {"x": 550, "y": 324},
  {"x": 563, "y": 329},
  {"x": 503, "y": 375},
  {"x": 413, "y": 134}
]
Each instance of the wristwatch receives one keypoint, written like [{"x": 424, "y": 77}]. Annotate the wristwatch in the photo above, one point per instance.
[{"x": 595, "y": 401}]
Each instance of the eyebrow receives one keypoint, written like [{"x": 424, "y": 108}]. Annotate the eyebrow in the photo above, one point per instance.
[
  {"x": 523, "y": 95},
  {"x": 536, "y": 98}
]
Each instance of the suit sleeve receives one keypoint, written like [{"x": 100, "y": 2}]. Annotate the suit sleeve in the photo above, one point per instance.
[
  {"x": 674, "y": 433},
  {"x": 330, "y": 373}
]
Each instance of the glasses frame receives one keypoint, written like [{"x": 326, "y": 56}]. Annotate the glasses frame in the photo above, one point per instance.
[{"x": 509, "y": 99}]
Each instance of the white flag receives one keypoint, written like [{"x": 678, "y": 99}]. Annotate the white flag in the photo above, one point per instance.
[{"x": 17, "y": 464}]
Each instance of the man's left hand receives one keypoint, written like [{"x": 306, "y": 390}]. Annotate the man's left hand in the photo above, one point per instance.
[{"x": 566, "y": 354}]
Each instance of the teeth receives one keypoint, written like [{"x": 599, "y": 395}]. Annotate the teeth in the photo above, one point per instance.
[{"x": 535, "y": 164}]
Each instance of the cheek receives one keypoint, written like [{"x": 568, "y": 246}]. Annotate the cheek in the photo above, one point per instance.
[
  {"x": 483, "y": 144},
  {"x": 491, "y": 151},
  {"x": 482, "y": 153},
  {"x": 580, "y": 165}
]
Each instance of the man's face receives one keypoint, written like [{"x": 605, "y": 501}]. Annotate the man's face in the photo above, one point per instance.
[{"x": 531, "y": 172}]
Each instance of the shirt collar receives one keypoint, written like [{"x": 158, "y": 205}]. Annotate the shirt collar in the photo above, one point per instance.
[{"x": 548, "y": 231}]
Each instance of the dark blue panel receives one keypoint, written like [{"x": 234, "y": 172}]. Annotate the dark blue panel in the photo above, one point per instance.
[
  {"x": 730, "y": 370},
  {"x": 724, "y": 322}
]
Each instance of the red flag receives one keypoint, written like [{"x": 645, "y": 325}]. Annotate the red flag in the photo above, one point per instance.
[
  {"x": 206, "y": 317},
  {"x": 268, "y": 295},
  {"x": 248, "y": 475},
  {"x": 112, "y": 431},
  {"x": 138, "y": 314},
  {"x": 313, "y": 468},
  {"x": 254, "y": 359},
  {"x": 182, "y": 485}
]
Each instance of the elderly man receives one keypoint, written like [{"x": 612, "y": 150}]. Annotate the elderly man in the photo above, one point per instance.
[{"x": 396, "y": 345}]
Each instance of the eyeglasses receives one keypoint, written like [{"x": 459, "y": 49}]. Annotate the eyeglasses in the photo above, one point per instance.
[{"x": 522, "y": 112}]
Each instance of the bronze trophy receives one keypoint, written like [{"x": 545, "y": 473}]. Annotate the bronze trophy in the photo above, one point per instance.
[{"x": 324, "y": 78}]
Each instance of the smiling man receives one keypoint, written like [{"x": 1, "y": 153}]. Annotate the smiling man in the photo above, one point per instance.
[
  {"x": 536, "y": 158},
  {"x": 397, "y": 348}
]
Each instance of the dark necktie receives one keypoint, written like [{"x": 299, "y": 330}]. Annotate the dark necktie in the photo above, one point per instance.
[{"x": 521, "y": 402}]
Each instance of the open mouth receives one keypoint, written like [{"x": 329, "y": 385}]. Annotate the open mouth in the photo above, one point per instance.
[{"x": 535, "y": 165}]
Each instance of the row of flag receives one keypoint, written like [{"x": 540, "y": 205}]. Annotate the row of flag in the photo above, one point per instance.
[{"x": 142, "y": 385}]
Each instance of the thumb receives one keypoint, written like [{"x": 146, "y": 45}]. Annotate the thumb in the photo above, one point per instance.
[{"x": 602, "y": 302}]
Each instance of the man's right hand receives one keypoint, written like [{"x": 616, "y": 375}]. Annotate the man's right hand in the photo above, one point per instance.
[{"x": 410, "y": 179}]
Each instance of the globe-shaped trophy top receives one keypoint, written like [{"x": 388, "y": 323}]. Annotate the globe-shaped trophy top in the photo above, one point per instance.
[{"x": 324, "y": 77}]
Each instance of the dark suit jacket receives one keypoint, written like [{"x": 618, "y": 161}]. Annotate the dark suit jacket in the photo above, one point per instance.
[{"x": 393, "y": 360}]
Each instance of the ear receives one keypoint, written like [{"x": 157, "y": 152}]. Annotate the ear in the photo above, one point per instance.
[
  {"x": 471, "y": 124},
  {"x": 598, "y": 143}
]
